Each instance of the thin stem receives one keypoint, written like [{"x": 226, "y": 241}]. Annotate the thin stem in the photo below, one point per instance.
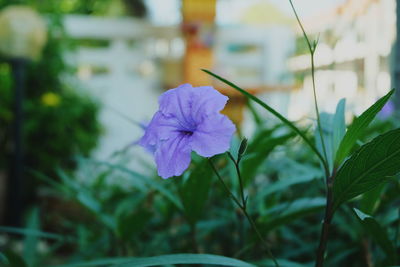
[
  {"x": 236, "y": 163},
  {"x": 228, "y": 191},
  {"x": 301, "y": 26},
  {"x": 312, "y": 48},
  {"x": 317, "y": 109},
  {"x": 265, "y": 243},
  {"x": 244, "y": 211},
  {"x": 329, "y": 211}
]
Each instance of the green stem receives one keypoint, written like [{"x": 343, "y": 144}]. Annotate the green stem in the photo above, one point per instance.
[
  {"x": 227, "y": 190},
  {"x": 242, "y": 207},
  {"x": 329, "y": 211},
  {"x": 265, "y": 243},
  {"x": 236, "y": 163},
  {"x": 312, "y": 52}
]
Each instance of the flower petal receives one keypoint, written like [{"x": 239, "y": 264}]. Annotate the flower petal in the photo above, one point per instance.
[
  {"x": 190, "y": 105},
  {"x": 213, "y": 135},
  {"x": 206, "y": 101},
  {"x": 159, "y": 128},
  {"x": 177, "y": 103},
  {"x": 173, "y": 156}
]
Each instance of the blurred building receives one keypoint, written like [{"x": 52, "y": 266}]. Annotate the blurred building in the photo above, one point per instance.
[
  {"x": 127, "y": 63},
  {"x": 352, "y": 58}
]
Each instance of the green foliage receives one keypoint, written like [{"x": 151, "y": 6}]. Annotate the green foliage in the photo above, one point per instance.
[
  {"x": 166, "y": 260},
  {"x": 358, "y": 127},
  {"x": 369, "y": 167},
  {"x": 195, "y": 190},
  {"x": 59, "y": 121},
  {"x": 135, "y": 8},
  {"x": 31, "y": 241},
  {"x": 333, "y": 130},
  {"x": 12, "y": 259},
  {"x": 257, "y": 153},
  {"x": 379, "y": 234},
  {"x": 107, "y": 214}
]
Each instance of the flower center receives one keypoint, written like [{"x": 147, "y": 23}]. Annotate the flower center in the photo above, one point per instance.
[{"x": 185, "y": 132}]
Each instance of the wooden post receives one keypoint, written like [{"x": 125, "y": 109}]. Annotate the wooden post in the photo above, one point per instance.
[{"x": 198, "y": 29}]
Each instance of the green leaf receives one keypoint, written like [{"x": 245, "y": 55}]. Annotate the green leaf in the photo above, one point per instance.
[
  {"x": 165, "y": 260},
  {"x": 31, "y": 241},
  {"x": 194, "y": 191},
  {"x": 14, "y": 260},
  {"x": 339, "y": 125},
  {"x": 273, "y": 112},
  {"x": 131, "y": 224},
  {"x": 368, "y": 167},
  {"x": 370, "y": 200},
  {"x": 287, "y": 212},
  {"x": 282, "y": 262},
  {"x": 378, "y": 234},
  {"x": 283, "y": 184},
  {"x": 358, "y": 127},
  {"x": 30, "y": 232},
  {"x": 327, "y": 135},
  {"x": 258, "y": 153},
  {"x": 147, "y": 181}
]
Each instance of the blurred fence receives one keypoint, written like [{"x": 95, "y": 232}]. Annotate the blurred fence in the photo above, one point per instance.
[
  {"x": 116, "y": 61},
  {"x": 124, "y": 62}
]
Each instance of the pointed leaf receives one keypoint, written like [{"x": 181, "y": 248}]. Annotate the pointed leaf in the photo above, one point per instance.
[
  {"x": 378, "y": 233},
  {"x": 165, "y": 260},
  {"x": 327, "y": 135},
  {"x": 273, "y": 112},
  {"x": 194, "y": 192},
  {"x": 358, "y": 127},
  {"x": 368, "y": 167},
  {"x": 370, "y": 200},
  {"x": 339, "y": 125}
]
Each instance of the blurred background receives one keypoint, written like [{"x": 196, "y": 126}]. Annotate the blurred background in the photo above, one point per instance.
[{"x": 80, "y": 79}]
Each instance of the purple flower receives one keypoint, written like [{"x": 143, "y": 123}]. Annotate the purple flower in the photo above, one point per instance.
[{"x": 188, "y": 119}]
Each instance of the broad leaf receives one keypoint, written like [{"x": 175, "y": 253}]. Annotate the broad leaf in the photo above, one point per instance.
[
  {"x": 165, "y": 260},
  {"x": 379, "y": 234},
  {"x": 273, "y": 112},
  {"x": 368, "y": 167},
  {"x": 358, "y": 127},
  {"x": 370, "y": 200},
  {"x": 194, "y": 191}
]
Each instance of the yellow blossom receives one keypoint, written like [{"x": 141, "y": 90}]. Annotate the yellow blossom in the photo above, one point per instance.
[{"x": 50, "y": 99}]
